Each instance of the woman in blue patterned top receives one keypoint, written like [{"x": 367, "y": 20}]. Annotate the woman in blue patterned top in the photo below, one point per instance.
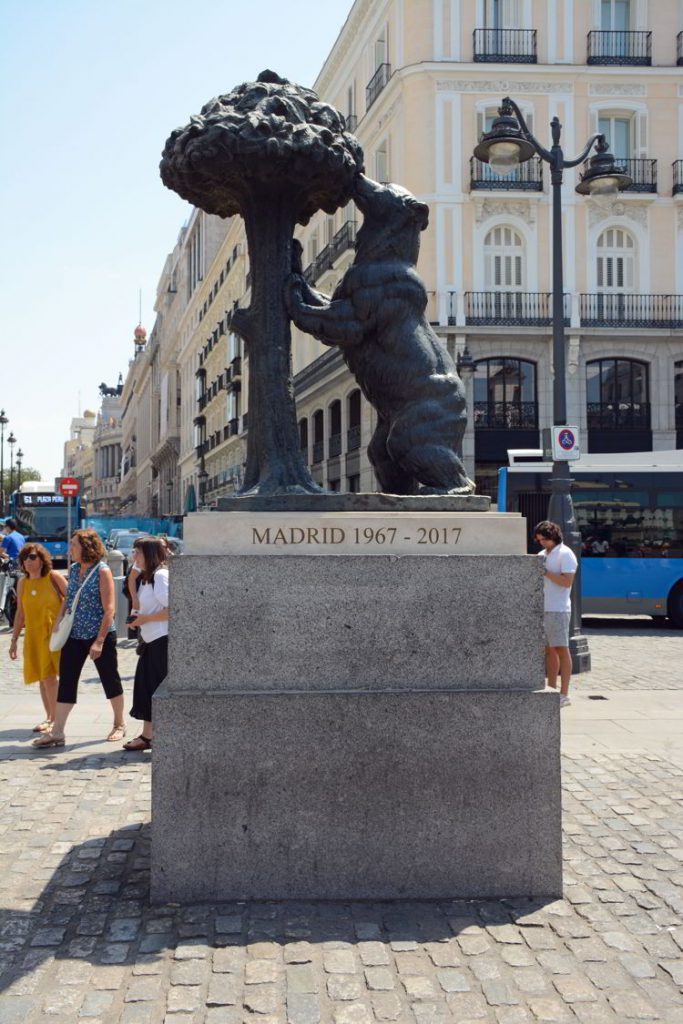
[{"x": 93, "y": 634}]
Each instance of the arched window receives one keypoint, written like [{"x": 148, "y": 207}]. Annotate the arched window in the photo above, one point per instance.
[
  {"x": 617, "y": 394},
  {"x": 303, "y": 436},
  {"x": 353, "y": 420},
  {"x": 616, "y": 262},
  {"x": 503, "y": 260},
  {"x": 505, "y": 394},
  {"x": 334, "y": 422},
  {"x": 318, "y": 436}
]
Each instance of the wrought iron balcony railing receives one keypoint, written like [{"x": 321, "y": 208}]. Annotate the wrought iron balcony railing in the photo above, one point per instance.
[
  {"x": 235, "y": 368},
  {"x": 610, "y": 310},
  {"x": 344, "y": 239},
  {"x": 643, "y": 173},
  {"x": 505, "y": 45},
  {"x": 527, "y": 177},
  {"x": 353, "y": 438},
  {"x": 334, "y": 445},
  {"x": 678, "y": 177},
  {"x": 505, "y": 416},
  {"x": 318, "y": 266},
  {"x": 376, "y": 84},
  {"x": 234, "y": 426},
  {"x": 612, "y": 415},
  {"x": 522, "y": 309},
  {"x": 633, "y": 48},
  {"x": 318, "y": 451}
]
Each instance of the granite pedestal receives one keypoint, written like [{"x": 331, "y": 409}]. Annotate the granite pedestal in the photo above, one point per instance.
[{"x": 355, "y": 726}]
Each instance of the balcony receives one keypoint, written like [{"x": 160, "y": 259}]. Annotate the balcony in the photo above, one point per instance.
[
  {"x": 679, "y": 49},
  {"x": 318, "y": 451},
  {"x": 344, "y": 240},
  {"x": 234, "y": 425},
  {"x": 376, "y": 84},
  {"x": 637, "y": 311},
  {"x": 634, "y": 48},
  {"x": 642, "y": 172},
  {"x": 509, "y": 309},
  {"x": 334, "y": 445},
  {"x": 614, "y": 415},
  {"x": 505, "y": 416},
  {"x": 528, "y": 177},
  {"x": 504, "y": 46},
  {"x": 318, "y": 266},
  {"x": 678, "y": 177},
  {"x": 235, "y": 369},
  {"x": 353, "y": 438}
]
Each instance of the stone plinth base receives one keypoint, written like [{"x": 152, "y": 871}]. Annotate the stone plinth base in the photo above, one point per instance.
[
  {"x": 355, "y": 795},
  {"x": 343, "y": 501}
]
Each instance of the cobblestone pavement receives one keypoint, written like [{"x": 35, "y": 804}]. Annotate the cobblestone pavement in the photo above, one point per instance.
[
  {"x": 634, "y": 654},
  {"x": 79, "y": 941}
]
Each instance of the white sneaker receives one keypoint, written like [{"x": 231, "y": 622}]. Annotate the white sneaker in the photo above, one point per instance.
[{"x": 564, "y": 700}]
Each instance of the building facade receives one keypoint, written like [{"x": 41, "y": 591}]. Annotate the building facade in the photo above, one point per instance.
[
  {"x": 104, "y": 496},
  {"x": 418, "y": 82},
  {"x": 79, "y": 459}
]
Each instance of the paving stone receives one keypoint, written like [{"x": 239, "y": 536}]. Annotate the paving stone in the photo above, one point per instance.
[
  {"x": 512, "y": 1015},
  {"x": 298, "y": 953},
  {"x": 224, "y": 990},
  {"x": 631, "y": 1005},
  {"x": 302, "y": 978},
  {"x": 229, "y": 960},
  {"x": 143, "y": 990},
  {"x": 96, "y": 1004},
  {"x": 544, "y": 1009},
  {"x": 386, "y": 1005},
  {"x": 189, "y": 972},
  {"x": 183, "y": 997},
  {"x": 373, "y": 954},
  {"x": 258, "y": 972},
  {"x": 674, "y": 968},
  {"x": 344, "y": 986},
  {"x": 303, "y": 1008},
  {"x": 419, "y": 987},
  {"x": 499, "y": 993},
  {"x": 467, "y": 1006},
  {"x": 575, "y": 989},
  {"x": 354, "y": 1013},
  {"x": 339, "y": 961},
  {"x": 452, "y": 980},
  {"x": 261, "y": 998}
]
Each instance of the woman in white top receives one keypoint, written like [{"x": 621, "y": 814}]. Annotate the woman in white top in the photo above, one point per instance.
[{"x": 151, "y": 618}]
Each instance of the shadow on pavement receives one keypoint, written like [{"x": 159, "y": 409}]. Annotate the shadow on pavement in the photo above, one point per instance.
[
  {"x": 628, "y": 625},
  {"x": 95, "y": 908}
]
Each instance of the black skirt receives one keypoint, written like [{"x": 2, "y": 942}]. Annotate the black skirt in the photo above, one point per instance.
[{"x": 151, "y": 671}]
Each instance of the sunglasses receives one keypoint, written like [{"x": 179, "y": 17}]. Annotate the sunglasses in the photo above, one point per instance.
[{"x": 31, "y": 556}]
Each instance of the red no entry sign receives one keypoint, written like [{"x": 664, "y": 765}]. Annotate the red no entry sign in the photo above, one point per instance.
[{"x": 69, "y": 486}]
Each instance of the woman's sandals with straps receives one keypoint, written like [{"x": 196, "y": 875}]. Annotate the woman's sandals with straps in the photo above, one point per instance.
[
  {"x": 117, "y": 733},
  {"x": 48, "y": 740}
]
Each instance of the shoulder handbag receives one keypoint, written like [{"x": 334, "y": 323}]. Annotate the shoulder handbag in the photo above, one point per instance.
[{"x": 60, "y": 634}]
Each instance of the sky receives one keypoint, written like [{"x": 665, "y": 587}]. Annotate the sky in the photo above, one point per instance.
[{"x": 89, "y": 92}]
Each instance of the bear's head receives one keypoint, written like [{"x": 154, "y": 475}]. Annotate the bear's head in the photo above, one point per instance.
[{"x": 392, "y": 222}]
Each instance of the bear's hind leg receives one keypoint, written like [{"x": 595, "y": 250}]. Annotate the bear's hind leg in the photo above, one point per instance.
[
  {"x": 438, "y": 469},
  {"x": 391, "y": 477}
]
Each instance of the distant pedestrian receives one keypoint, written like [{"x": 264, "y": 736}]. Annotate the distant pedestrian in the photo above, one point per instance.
[
  {"x": 13, "y": 541},
  {"x": 559, "y": 569},
  {"x": 92, "y": 635},
  {"x": 150, "y": 555},
  {"x": 40, "y": 594}
]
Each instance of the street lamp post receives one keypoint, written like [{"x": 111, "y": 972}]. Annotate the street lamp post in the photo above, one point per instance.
[
  {"x": 202, "y": 477},
  {"x": 20, "y": 459},
  {"x": 11, "y": 441},
  {"x": 504, "y": 147},
  {"x": 3, "y": 422}
]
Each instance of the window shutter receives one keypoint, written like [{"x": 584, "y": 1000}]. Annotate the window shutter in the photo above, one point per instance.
[
  {"x": 511, "y": 14},
  {"x": 640, "y": 148}
]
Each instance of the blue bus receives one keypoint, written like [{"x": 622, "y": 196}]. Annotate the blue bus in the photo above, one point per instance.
[
  {"x": 42, "y": 517},
  {"x": 629, "y": 511}
]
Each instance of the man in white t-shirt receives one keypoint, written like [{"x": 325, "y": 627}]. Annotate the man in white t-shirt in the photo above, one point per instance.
[{"x": 559, "y": 570}]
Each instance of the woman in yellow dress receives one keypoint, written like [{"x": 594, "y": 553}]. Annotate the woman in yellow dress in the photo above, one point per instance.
[{"x": 40, "y": 594}]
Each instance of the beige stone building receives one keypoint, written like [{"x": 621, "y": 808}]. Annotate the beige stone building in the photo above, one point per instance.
[
  {"x": 419, "y": 80},
  {"x": 79, "y": 458},
  {"x": 104, "y": 495}
]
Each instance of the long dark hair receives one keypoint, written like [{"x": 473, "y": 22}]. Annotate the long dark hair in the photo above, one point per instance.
[{"x": 154, "y": 552}]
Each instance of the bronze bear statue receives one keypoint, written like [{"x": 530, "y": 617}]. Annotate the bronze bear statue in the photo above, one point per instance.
[{"x": 377, "y": 318}]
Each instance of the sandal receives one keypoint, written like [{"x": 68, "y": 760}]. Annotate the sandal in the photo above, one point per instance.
[
  {"x": 117, "y": 733},
  {"x": 48, "y": 740},
  {"x": 43, "y": 726},
  {"x": 139, "y": 743}
]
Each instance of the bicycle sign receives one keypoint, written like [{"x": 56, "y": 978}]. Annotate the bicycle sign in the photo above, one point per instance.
[{"x": 566, "y": 443}]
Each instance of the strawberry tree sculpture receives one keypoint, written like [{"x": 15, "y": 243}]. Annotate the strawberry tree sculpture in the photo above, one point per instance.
[{"x": 273, "y": 153}]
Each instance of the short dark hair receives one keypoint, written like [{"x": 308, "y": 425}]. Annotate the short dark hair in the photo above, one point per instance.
[
  {"x": 11, "y": 523},
  {"x": 550, "y": 531}
]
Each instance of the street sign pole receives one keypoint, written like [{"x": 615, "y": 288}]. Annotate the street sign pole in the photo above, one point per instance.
[{"x": 68, "y": 533}]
